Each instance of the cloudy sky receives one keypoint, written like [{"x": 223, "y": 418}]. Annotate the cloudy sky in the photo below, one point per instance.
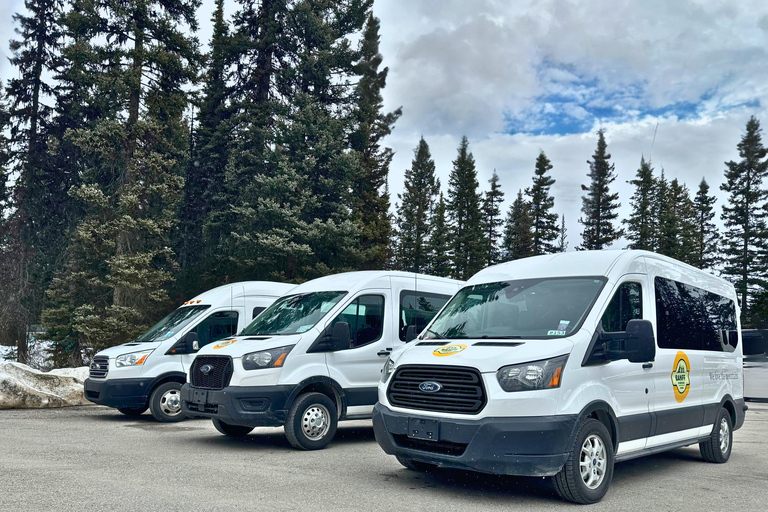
[{"x": 518, "y": 77}]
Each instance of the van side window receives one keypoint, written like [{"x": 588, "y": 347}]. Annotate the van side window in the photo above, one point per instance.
[
  {"x": 418, "y": 309},
  {"x": 365, "y": 316},
  {"x": 216, "y": 326},
  {"x": 626, "y": 305},
  {"x": 257, "y": 310},
  {"x": 690, "y": 318}
]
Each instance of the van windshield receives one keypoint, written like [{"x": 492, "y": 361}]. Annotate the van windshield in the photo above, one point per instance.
[
  {"x": 293, "y": 314},
  {"x": 527, "y": 308},
  {"x": 173, "y": 323}
]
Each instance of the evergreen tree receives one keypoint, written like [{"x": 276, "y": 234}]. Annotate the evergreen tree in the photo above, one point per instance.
[
  {"x": 705, "y": 243},
  {"x": 465, "y": 216},
  {"x": 562, "y": 244},
  {"x": 676, "y": 222},
  {"x": 370, "y": 197},
  {"x": 518, "y": 230},
  {"x": 599, "y": 206},
  {"x": 416, "y": 207},
  {"x": 492, "y": 221},
  {"x": 744, "y": 240},
  {"x": 120, "y": 263},
  {"x": 642, "y": 222},
  {"x": 439, "y": 242},
  {"x": 545, "y": 229}
]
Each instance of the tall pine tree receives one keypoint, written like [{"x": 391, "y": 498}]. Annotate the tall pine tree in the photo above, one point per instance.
[
  {"x": 562, "y": 235},
  {"x": 744, "y": 216},
  {"x": 599, "y": 206},
  {"x": 465, "y": 216},
  {"x": 492, "y": 221},
  {"x": 417, "y": 203},
  {"x": 641, "y": 225},
  {"x": 705, "y": 243},
  {"x": 518, "y": 230},
  {"x": 439, "y": 242},
  {"x": 544, "y": 220}
]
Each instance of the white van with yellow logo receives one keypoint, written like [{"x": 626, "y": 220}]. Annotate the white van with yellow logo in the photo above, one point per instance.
[{"x": 561, "y": 365}]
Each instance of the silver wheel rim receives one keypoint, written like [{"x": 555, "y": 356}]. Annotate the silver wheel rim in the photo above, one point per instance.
[
  {"x": 592, "y": 461},
  {"x": 315, "y": 422},
  {"x": 170, "y": 402},
  {"x": 724, "y": 436}
]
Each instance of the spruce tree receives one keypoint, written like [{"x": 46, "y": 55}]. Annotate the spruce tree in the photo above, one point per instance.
[
  {"x": 439, "y": 242},
  {"x": 518, "y": 230},
  {"x": 641, "y": 225},
  {"x": 676, "y": 221},
  {"x": 599, "y": 205},
  {"x": 492, "y": 221},
  {"x": 562, "y": 243},
  {"x": 463, "y": 208},
  {"x": 417, "y": 203},
  {"x": 545, "y": 230},
  {"x": 744, "y": 216},
  {"x": 370, "y": 197},
  {"x": 705, "y": 243}
]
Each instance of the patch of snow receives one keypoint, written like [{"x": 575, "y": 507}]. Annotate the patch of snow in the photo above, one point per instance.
[
  {"x": 39, "y": 354},
  {"x": 23, "y": 387}
]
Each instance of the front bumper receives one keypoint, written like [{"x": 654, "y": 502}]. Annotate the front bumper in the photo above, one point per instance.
[
  {"x": 250, "y": 406},
  {"x": 528, "y": 446},
  {"x": 120, "y": 393}
]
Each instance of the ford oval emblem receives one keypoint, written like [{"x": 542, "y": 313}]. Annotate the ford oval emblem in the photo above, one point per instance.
[
  {"x": 430, "y": 386},
  {"x": 206, "y": 369}
]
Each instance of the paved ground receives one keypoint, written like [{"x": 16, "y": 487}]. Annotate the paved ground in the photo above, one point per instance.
[{"x": 93, "y": 458}]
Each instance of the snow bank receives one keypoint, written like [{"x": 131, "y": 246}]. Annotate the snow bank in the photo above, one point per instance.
[{"x": 22, "y": 387}]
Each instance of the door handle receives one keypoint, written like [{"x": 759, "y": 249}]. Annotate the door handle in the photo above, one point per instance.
[
  {"x": 647, "y": 366},
  {"x": 384, "y": 352}
]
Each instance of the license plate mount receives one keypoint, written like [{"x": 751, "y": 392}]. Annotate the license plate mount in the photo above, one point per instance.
[
  {"x": 426, "y": 430},
  {"x": 199, "y": 396}
]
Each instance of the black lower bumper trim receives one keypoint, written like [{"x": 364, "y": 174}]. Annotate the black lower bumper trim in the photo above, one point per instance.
[
  {"x": 257, "y": 406},
  {"x": 120, "y": 393},
  {"x": 527, "y": 446}
]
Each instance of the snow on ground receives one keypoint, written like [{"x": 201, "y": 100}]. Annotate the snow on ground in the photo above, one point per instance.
[{"x": 23, "y": 387}]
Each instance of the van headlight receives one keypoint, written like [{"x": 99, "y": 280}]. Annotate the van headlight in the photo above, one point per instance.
[
  {"x": 536, "y": 375},
  {"x": 272, "y": 358},
  {"x": 132, "y": 359},
  {"x": 389, "y": 367}
]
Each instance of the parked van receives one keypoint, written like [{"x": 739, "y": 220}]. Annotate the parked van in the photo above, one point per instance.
[
  {"x": 755, "y": 342},
  {"x": 561, "y": 365},
  {"x": 149, "y": 371},
  {"x": 314, "y": 357}
]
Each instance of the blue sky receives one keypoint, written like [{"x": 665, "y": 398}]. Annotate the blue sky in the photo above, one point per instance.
[{"x": 674, "y": 82}]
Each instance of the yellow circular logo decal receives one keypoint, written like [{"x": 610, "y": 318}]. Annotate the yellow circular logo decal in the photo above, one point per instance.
[
  {"x": 449, "y": 350},
  {"x": 224, "y": 344},
  {"x": 681, "y": 377}
]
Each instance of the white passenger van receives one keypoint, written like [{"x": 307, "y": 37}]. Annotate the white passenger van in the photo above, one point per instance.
[
  {"x": 561, "y": 365},
  {"x": 148, "y": 372},
  {"x": 314, "y": 357}
]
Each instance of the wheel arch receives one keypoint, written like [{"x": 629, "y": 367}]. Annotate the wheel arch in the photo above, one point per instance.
[
  {"x": 179, "y": 377},
  {"x": 602, "y": 412},
  {"x": 324, "y": 385}
]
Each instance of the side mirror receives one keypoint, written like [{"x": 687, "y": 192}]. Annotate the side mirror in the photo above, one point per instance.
[
  {"x": 186, "y": 345},
  {"x": 411, "y": 333},
  {"x": 640, "y": 346},
  {"x": 341, "y": 339}
]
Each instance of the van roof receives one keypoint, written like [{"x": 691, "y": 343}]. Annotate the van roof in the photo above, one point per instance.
[
  {"x": 353, "y": 281},
  {"x": 243, "y": 289},
  {"x": 608, "y": 263}
]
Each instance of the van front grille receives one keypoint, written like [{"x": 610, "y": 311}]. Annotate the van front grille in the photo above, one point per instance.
[
  {"x": 461, "y": 389},
  {"x": 99, "y": 367},
  {"x": 211, "y": 372}
]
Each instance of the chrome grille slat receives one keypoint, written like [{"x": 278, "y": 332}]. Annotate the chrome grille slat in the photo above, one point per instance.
[{"x": 99, "y": 367}]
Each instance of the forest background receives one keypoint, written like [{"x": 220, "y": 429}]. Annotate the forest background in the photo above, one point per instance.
[{"x": 138, "y": 168}]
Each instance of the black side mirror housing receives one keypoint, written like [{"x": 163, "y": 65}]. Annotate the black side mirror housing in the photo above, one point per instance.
[
  {"x": 411, "y": 333},
  {"x": 341, "y": 338},
  {"x": 188, "y": 344},
  {"x": 640, "y": 344}
]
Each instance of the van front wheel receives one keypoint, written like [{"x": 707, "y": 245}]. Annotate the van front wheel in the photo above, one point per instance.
[
  {"x": 717, "y": 448},
  {"x": 311, "y": 422},
  {"x": 165, "y": 403},
  {"x": 587, "y": 473}
]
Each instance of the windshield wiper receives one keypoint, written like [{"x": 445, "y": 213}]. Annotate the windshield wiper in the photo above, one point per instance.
[{"x": 437, "y": 335}]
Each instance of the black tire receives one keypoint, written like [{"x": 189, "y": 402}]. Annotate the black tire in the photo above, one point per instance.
[
  {"x": 132, "y": 411},
  {"x": 717, "y": 448},
  {"x": 415, "y": 465},
  {"x": 231, "y": 430},
  {"x": 165, "y": 403},
  {"x": 570, "y": 482},
  {"x": 311, "y": 422}
]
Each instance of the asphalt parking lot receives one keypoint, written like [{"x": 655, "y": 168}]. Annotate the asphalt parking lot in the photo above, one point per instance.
[{"x": 94, "y": 458}]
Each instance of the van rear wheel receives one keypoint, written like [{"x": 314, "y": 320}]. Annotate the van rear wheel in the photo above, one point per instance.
[
  {"x": 311, "y": 422},
  {"x": 165, "y": 403},
  {"x": 587, "y": 473},
  {"x": 717, "y": 448},
  {"x": 231, "y": 430},
  {"x": 132, "y": 411}
]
